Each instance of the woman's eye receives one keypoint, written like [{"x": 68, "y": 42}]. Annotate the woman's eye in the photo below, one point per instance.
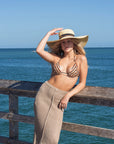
[{"x": 69, "y": 41}]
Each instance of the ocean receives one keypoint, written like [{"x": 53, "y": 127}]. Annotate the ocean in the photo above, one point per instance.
[{"x": 25, "y": 65}]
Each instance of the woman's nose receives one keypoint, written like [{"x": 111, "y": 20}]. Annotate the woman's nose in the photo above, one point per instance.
[{"x": 65, "y": 43}]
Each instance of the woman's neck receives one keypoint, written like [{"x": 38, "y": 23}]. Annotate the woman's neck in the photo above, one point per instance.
[{"x": 70, "y": 55}]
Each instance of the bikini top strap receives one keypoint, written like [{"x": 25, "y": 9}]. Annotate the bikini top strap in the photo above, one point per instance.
[
  {"x": 75, "y": 58},
  {"x": 58, "y": 62}
]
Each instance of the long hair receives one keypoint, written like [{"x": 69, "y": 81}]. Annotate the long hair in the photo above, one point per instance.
[{"x": 78, "y": 49}]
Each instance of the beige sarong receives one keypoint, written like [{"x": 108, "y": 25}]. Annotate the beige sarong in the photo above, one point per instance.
[{"x": 48, "y": 117}]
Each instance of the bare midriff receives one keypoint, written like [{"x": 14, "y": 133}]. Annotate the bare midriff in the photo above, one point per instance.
[{"x": 63, "y": 82}]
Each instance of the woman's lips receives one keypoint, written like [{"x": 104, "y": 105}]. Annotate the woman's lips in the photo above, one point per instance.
[{"x": 67, "y": 48}]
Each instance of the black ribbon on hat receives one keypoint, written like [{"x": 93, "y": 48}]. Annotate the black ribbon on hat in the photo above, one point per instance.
[{"x": 65, "y": 35}]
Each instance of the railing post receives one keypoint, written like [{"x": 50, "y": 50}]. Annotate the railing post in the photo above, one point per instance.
[{"x": 13, "y": 109}]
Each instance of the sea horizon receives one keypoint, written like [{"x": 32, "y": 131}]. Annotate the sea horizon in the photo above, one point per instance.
[{"x": 47, "y": 47}]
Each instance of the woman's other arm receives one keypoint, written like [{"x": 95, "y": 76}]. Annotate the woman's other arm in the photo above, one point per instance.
[{"x": 80, "y": 86}]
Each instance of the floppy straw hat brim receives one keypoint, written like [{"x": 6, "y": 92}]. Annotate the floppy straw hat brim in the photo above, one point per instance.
[{"x": 81, "y": 40}]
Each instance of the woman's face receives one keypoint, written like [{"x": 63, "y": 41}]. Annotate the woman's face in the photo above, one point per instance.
[{"x": 67, "y": 45}]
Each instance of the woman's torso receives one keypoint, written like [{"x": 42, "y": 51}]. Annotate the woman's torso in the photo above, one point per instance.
[{"x": 65, "y": 73}]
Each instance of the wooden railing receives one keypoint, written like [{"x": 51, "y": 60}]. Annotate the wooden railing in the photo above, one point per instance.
[{"x": 89, "y": 95}]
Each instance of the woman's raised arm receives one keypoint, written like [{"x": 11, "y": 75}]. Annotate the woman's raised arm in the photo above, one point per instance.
[{"x": 40, "y": 48}]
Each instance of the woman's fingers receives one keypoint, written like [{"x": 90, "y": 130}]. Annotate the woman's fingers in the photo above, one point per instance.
[
  {"x": 57, "y": 29},
  {"x": 54, "y": 31},
  {"x": 62, "y": 105}
]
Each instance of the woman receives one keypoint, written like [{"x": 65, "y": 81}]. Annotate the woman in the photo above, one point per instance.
[{"x": 68, "y": 62}]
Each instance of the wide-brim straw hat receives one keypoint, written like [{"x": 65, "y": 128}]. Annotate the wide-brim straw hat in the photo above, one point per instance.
[{"x": 66, "y": 34}]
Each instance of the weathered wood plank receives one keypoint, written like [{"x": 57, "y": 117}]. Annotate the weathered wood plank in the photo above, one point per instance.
[
  {"x": 17, "y": 117},
  {"x": 89, "y": 130},
  {"x": 84, "y": 129},
  {"x": 13, "y": 108},
  {"x": 19, "y": 88},
  {"x": 19, "y": 85},
  {"x": 5, "y": 140},
  {"x": 89, "y": 95}
]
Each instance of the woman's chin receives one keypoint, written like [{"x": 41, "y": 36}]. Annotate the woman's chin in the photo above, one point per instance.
[{"x": 67, "y": 50}]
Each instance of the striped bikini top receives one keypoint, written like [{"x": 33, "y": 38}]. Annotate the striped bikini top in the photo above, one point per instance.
[{"x": 73, "y": 72}]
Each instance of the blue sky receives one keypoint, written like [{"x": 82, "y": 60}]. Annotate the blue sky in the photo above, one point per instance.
[{"x": 23, "y": 23}]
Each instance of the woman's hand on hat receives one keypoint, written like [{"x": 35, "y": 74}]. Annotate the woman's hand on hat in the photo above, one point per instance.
[
  {"x": 54, "y": 31},
  {"x": 63, "y": 103}
]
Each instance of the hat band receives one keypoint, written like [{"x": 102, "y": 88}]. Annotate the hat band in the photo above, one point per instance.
[{"x": 65, "y": 35}]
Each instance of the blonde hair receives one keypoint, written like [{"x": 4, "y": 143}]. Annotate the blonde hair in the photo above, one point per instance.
[{"x": 78, "y": 49}]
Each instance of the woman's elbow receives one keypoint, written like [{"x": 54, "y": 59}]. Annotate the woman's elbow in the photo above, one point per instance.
[
  {"x": 38, "y": 51},
  {"x": 83, "y": 84}
]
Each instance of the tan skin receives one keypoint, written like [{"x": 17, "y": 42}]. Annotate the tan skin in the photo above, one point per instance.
[{"x": 65, "y": 64}]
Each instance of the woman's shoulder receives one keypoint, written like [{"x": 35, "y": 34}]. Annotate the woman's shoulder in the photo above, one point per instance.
[
  {"x": 56, "y": 57},
  {"x": 81, "y": 57}
]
